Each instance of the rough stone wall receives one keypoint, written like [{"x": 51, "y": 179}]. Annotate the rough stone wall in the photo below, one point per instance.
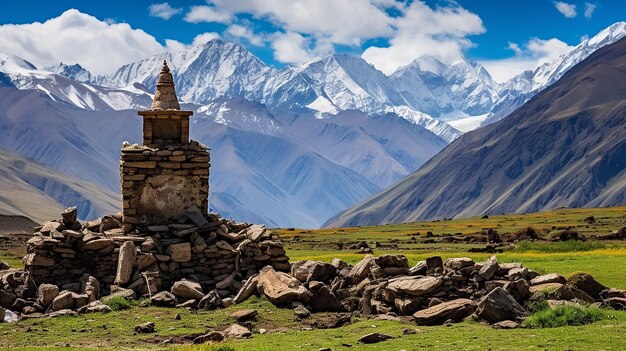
[
  {"x": 217, "y": 253},
  {"x": 160, "y": 183}
]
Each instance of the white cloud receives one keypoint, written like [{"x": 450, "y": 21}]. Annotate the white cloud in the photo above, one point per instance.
[
  {"x": 239, "y": 31},
  {"x": 589, "y": 9},
  {"x": 175, "y": 45},
  {"x": 163, "y": 10},
  {"x": 568, "y": 10},
  {"x": 209, "y": 14},
  {"x": 293, "y": 48},
  {"x": 535, "y": 53},
  {"x": 441, "y": 32},
  {"x": 347, "y": 22},
  {"x": 77, "y": 37}
]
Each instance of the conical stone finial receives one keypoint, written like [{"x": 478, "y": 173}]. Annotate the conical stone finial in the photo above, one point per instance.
[{"x": 165, "y": 95}]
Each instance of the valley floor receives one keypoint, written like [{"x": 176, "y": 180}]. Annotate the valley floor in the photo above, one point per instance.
[{"x": 604, "y": 259}]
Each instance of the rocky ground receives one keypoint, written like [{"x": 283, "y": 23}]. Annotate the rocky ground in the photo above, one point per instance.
[{"x": 207, "y": 263}]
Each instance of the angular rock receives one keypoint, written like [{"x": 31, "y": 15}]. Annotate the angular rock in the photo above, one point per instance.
[
  {"x": 362, "y": 269},
  {"x": 499, "y": 306},
  {"x": 519, "y": 289},
  {"x": 301, "y": 312},
  {"x": 489, "y": 268},
  {"x": 416, "y": 286},
  {"x": 322, "y": 299},
  {"x": 95, "y": 307},
  {"x": 451, "y": 310},
  {"x": 196, "y": 216},
  {"x": 339, "y": 263},
  {"x": 392, "y": 261},
  {"x": 210, "y": 301},
  {"x": 433, "y": 263},
  {"x": 213, "y": 336},
  {"x": 98, "y": 244},
  {"x": 179, "y": 252},
  {"x": 236, "y": 331},
  {"x": 247, "y": 290},
  {"x": 306, "y": 271},
  {"x": 186, "y": 289},
  {"x": 458, "y": 263},
  {"x": 163, "y": 299},
  {"x": 245, "y": 315},
  {"x": 108, "y": 223},
  {"x": 46, "y": 294},
  {"x": 125, "y": 263},
  {"x": 517, "y": 273},
  {"x": 255, "y": 232},
  {"x": 65, "y": 300},
  {"x": 145, "y": 328},
  {"x": 616, "y": 303},
  {"x": 506, "y": 325},
  {"x": 280, "y": 288},
  {"x": 373, "y": 338},
  {"x": 35, "y": 259},
  {"x": 566, "y": 292},
  {"x": 69, "y": 216},
  {"x": 548, "y": 287},
  {"x": 586, "y": 283},
  {"x": 548, "y": 278}
]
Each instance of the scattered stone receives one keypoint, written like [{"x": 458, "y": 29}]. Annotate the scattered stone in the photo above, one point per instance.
[
  {"x": 301, "y": 312},
  {"x": 245, "y": 315},
  {"x": 499, "y": 306},
  {"x": 489, "y": 268},
  {"x": 69, "y": 216},
  {"x": 247, "y": 290},
  {"x": 280, "y": 288},
  {"x": 64, "y": 300},
  {"x": 46, "y": 294},
  {"x": 186, "y": 289},
  {"x": 416, "y": 286},
  {"x": 94, "y": 307},
  {"x": 163, "y": 299},
  {"x": 373, "y": 338},
  {"x": 236, "y": 331},
  {"x": 145, "y": 328},
  {"x": 213, "y": 336},
  {"x": 506, "y": 325},
  {"x": 455, "y": 310}
]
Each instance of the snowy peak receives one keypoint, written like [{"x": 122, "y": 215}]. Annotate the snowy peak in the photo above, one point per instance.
[
  {"x": 75, "y": 71},
  {"x": 11, "y": 64}
]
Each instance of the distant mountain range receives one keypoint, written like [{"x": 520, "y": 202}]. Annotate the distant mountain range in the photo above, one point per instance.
[
  {"x": 566, "y": 147},
  {"x": 303, "y": 142}
]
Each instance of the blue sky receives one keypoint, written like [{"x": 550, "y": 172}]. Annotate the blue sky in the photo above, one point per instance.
[{"x": 506, "y": 36}]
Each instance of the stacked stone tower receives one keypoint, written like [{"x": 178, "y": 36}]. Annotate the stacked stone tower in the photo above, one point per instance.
[{"x": 169, "y": 174}]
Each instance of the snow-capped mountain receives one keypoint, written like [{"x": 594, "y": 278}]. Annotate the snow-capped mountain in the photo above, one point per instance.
[
  {"x": 435, "y": 88},
  {"x": 75, "y": 71},
  {"x": 525, "y": 85},
  {"x": 24, "y": 75}
]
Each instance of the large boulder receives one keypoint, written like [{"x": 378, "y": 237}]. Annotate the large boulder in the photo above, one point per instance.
[
  {"x": 498, "y": 306},
  {"x": 415, "y": 286},
  {"x": 586, "y": 283},
  {"x": 455, "y": 310},
  {"x": 46, "y": 294},
  {"x": 322, "y": 299},
  {"x": 65, "y": 300},
  {"x": 489, "y": 268},
  {"x": 548, "y": 278},
  {"x": 361, "y": 270},
  {"x": 185, "y": 289},
  {"x": 236, "y": 331},
  {"x": 163, "y": 299},
  {"x": 125, "y": 263},
  {"x": 280, "y": 288},
  {"x": 307, "y": 270}
]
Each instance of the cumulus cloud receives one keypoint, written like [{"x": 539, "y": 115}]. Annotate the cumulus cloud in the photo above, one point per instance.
[
  {"x": 589, "y": 9},
  {"x": 198, "y": 14},
  {"x": 175, "y": 45},
  {"x": 347, "y": 22},
  {"x": 240, "y": 31},
  {"x": 420, "y": 29},
  {"x": 77, "y": 37},
  {"x": 568, "y": 10},
  {"x": 533, "y": 54},
  {"x": 291, "y": 47},
  {"x": 163, "y": 10}
]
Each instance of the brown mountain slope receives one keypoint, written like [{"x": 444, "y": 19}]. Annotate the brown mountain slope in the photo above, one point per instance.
[
  {"x": 566, "y": 147},
  {"x": 30, "y": 189}
]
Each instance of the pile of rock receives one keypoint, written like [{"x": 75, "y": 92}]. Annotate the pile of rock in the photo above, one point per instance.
[
  {"x": 70, "y": 265},
  {"x": 432, "y": 292}
]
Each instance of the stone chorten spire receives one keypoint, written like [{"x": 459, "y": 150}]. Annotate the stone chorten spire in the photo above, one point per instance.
[{"x": 165, "y": 95}]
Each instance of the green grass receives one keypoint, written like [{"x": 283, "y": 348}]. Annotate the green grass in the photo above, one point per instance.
[
  {"x": 118, "y": 303},
  {"x": 562, "y": 316},
  {"x": 603, "y": 260}
]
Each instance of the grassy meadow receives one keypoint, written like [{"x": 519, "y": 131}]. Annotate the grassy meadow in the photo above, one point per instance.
[{"x": 605, "y": 260}]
